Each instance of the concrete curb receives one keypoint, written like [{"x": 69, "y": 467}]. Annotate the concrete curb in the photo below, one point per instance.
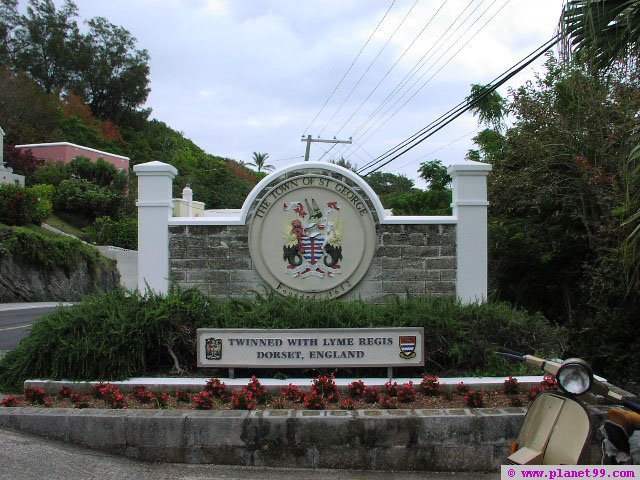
[
  {"x": 421, "y": 440},
  {"x": 8, "y": 307}
]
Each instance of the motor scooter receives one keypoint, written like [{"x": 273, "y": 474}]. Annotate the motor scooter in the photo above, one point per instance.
[{"x": 557, "y": 426}]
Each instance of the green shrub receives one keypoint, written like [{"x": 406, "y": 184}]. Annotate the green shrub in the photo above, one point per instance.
[
  {"x": 117, "y": 335},
  {"x": 22, "y": 206},
  {"x": 419, "y": 202},
  {"x": 119, "y": 233},
  {"x": 85, "y": 198},
  {"x": 49, "y": 251},
  {"x": 44, "y": 193},
  {"x": 50, "y": 173}
]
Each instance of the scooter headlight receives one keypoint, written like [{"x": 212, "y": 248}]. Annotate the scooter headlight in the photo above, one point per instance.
[{"x": 575, "y": 376}]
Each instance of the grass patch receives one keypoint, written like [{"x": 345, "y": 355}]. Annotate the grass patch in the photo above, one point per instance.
[{"x": 57, "y": 222}]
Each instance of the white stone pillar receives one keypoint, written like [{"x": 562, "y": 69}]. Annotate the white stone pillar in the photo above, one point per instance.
[
  {"x": 187, "y": 195},
  {"x": 154, "y": 204},
  {"x": 469, "y": 185}
]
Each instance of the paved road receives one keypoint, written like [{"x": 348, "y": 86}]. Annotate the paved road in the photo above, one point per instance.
[
  {"x": 25, "y": 456},
  {"x": 16, "y": 320}
]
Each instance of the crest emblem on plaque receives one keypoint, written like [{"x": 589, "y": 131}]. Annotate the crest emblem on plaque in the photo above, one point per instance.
[
  {"x": 407, "y": 347},
  {"x": 312, "y": 239},
  {"x": 312, "y": 233},
  {"x": 213, "y": 348}
]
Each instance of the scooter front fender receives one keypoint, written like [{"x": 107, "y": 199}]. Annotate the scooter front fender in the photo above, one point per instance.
[{"x": 555, "y": 431}]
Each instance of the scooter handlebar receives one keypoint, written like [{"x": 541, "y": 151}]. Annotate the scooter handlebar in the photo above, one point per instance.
[
  {"x": 630, "y": 404},
  {"x": 507, "y": 352}
]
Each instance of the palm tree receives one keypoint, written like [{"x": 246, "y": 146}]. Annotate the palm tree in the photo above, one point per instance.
[
  {"x": 607, "y": 30},
  {"x": 259, "y": 160}
]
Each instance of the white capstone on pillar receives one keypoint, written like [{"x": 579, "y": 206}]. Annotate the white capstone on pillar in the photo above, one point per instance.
[
  {"x": 154, "y": 204},
  {"x": 469, "y": 186},
  {"x": 187, "y": 196}
]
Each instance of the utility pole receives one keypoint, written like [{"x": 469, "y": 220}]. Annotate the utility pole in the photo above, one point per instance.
[{"x": 309, "y": 140}]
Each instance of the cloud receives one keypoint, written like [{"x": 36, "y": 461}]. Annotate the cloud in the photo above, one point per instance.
[{"x": 239, "y": 76}]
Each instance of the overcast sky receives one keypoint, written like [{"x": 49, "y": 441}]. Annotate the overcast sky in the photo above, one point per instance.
[{"x": 238, "y": 76}]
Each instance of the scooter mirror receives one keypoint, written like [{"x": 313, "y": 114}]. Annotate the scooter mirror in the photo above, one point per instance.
[{"x": 575, "y": 376}]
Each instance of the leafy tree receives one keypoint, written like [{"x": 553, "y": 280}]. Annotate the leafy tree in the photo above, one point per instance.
[
  {"x": 384, "y": 183},
  {"x": 556, "y": 199},
  {"x": 343, "y": 162},
  {"x": 8, "y": 20},
  {"x": 435, "y": 174},
  {"x": 606, "y": 33},
  {"x": 99, "y": 172},
  {"x": 75, "y": 130},
  {"x": 42, "y": 42},
  {"x": 259, "y": 160},
  {"x": 103, "y": 66},
  {"x": 489, "y": 107},
  {"x": 112, "y": 74},
  {"x": 27, "y": 114}
]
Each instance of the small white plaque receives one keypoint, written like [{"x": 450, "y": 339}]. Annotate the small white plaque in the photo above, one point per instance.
[{"x": 305, "y": 348}]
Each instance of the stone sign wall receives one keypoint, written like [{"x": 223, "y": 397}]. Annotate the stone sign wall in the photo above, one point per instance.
[
  {"x": 316, "y": 231},
  {"x": 415, "y": 259}
]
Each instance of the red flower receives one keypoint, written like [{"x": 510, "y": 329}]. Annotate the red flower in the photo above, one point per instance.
[
  {"x": 314, "y": 401},
  {"x": 217, "y": 388},
  {"x": 65, "y": 392},
  {"x": 243, "y": 399},
  {"x": 356, "y": 389},
  {"x": 371, "y": 394},
  {"x": 10, "y": 401},
  {"x": 430, "y": 386},
  {"x": 406, "y": 393},
  {"x": 292, "y": 392},
  {"x": 203, "y": 400}
]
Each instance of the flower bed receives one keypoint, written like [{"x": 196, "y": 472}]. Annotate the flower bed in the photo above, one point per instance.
[{"x": 323, "y": 394}]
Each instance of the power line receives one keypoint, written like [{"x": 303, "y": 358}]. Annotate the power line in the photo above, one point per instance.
[
  {"x": 435, "y": 73},
  {"x": 462, "y": 107},
  {"x": 370, "y": 65},
  {"x": 422, "y": 62},
  {"x": 437, "y": 149},
  {"x": 454, "y": 113},
  {"x": 288, "y": 158},
  {"x": 327, "y": 151},
  {"x": 392, "y": 67},
  {"x": 420, "y": 65},
  {"x": 350, "y": 66}
]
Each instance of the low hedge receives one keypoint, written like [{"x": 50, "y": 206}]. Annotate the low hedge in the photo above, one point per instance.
[
  {"x": 45, "y": 250},
  {"x": 121, "y": 334}
]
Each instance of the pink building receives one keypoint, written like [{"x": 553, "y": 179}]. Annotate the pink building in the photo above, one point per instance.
[{"x": 65, "y": 152}]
